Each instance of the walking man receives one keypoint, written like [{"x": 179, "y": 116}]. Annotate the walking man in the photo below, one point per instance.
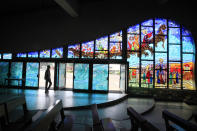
[{"x": 47, "y": 77}]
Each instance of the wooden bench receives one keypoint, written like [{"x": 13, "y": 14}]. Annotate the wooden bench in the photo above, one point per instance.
[
  {"x": 46, "y": 121},
  {"x": 101, "y": 125},
  {"x": 137, "y": 121},
  {"x": 8, "y": 106},
  {"x": 177, "y": 121}
]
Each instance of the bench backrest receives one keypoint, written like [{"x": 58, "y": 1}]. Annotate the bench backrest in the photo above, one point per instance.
[
  {"x": 137, "y": 121},
  {"x": 168, "y": 116},
  {"x": 43, "y": 123}
]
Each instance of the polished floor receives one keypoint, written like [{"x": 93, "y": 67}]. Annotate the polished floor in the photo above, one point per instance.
[{"x": 38, "y": 99}]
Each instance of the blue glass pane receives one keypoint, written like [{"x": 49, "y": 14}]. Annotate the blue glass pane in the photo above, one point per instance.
[
  {"x": 0, "y": 56},
  {"x": 16, "y": 73},
  {"x": 160, "y": 60},
  {"x": 87, "y": 49},
  {"x": 173, "y": 24},
  {"x": 32, "y": 74},
  {"x": 147, "y": 23},
  {"x": 116, "y": 37},
  {"x": 57, "y": 53},
  {"x": 62, "y": 74},
  {"x": 102, "y": 43},
  {"x": 22, "y": 55},
  {"x": 4, "y": 67},
  {"x": 160, "y": 43},
  {"x": 134, "y": 29},
  {"x": 81, "y": 76},
  {"x": 133, "y": 60},
  {"x": 161, "y": 26},
  {"x": 45, "y": 54},
  {"x": 7, "y": 56},
  {"x": 73, "y": 51},
  {"x": 100, "y": 77},
  {"x": 116, "y": 50},
  {"x": 33, "y": 54},
  {"x": 186, "y": 32},
  {"x": 188, "y": 44},
  {"x": 174, "y": 35},
  {"x": 133, "y": 42},
  {"x": 174, "y": 53}
]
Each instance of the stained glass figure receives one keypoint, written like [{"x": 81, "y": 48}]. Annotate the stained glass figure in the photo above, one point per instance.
[
  {"x": 116, "y": 37},
  {"x": 101, "y": 48},
  {"x": 45, "y": 54},
  {"x": 33, "y": 54},
  {"x": 87, "y": 49},
  {"x": 161, "y": 43},
  {"x": 133, "y": 78},
  {"x": 74, "y": 51},
  {"x": 115, "y": 50},
  {"x": 161, "y": 61},
  {"x": 132, "y": 42},
  {"x": 57, "y": 53},
  {"x": 161, "y": 26},
  {"x": 147, "y": 74}
]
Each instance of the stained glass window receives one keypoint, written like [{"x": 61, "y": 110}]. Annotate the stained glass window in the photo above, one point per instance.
[
  {"x": 161, "y": 55},
  {"x": 57, "y": 53},
  {"x": 7, "y": 55},
  {"x": 115, "y": 46},
  {"x": 101, "y": 48},
  {"x": 87, "y": 49},
  {"x": 21, "y": 55},
  {"x": 33, "y": 54},
  {"x": 74, "y": 51},
  {"x": 4, "y": 68},
  {"x": 45, "y": 54},
  {"x": 16, "y": 73}
]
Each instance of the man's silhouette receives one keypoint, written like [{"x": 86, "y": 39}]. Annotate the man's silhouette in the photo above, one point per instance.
[{"x": 47, "y": 77}]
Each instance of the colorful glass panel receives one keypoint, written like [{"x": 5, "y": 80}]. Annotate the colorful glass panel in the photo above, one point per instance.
[
  {"x": 188, "y": 80},
  {"x": 186, "y": 32},
  {"x": 133, "y": 78},
  {"x": 73, "y": 51},
  {"x": 188, "y": 61},
  {"x": 174, "y": 70},
  {"x": 174, "y": 35},
  {"x": 87, "y": 49},
  {"x": 7, "y": 55},
  {"x": 147, "y": 23},
  {"x": 161, "y": 26},
  {"x": 133, "y": 42},
  {"x": 161, "y": 43},
  {"x": 116, "y": 37},
  {"x": 57, "y": 53},
  {"x": 33, "y": 54},
  {"x": 134, "y": 29},
  {"x": 100, "y": 77},
  {"x": 45, "y": 54},
  {"x": 115, "y": 50},
  {"x": 174, "y": 53},
  {"x": 133, "y": 60},
  {"x": 147, "y": 74},
  {"x": 147, "y": 54},
  {"x": 16, "y": 73},
  {"x": 32, "y": 74},
  {"x": 160, "y": 78},
  {"x": 173, "y": 24},
  {"x": 4, "y": 67},
  {"x": 188, "y": 44},
  {"x": 161, "y": 61},
  {"x": 22, "y": 55},
  {"x": 81, "y": 76}
]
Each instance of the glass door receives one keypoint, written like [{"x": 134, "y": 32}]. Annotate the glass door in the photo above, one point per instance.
[
  {"x": 32, "y": 70},
  {"x": 81, "y": 76},
  {"x": 114, "y": 77},
  {"x": 100, "y": 77},
  {"x": 43, "y": 67}
]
